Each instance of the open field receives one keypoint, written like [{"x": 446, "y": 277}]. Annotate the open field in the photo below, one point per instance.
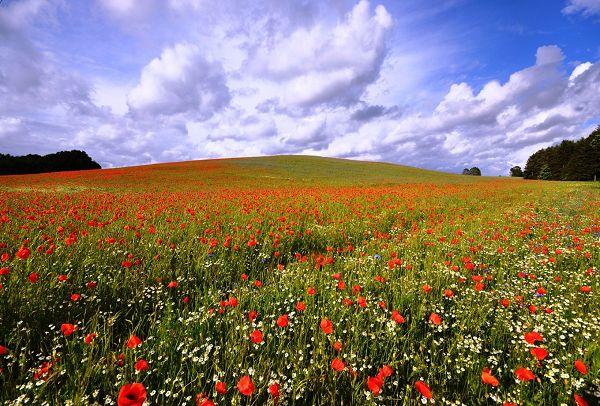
[{"x": 297, "y": 280}]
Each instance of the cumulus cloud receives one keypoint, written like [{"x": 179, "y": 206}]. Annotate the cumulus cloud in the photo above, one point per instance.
[
  {"x": 326, "y": 65},
  {"x": 584, "y": 7},
  {"x": 181, "y": 80}
]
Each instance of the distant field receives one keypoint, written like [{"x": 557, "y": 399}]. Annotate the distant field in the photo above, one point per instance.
[{"x": 297, "y": 280}]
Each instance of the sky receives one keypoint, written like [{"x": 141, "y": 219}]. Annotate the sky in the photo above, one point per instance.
[{"x": 437, "y": 84}]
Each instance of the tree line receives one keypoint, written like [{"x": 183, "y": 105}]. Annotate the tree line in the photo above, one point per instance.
[
  {"x": 569, "y": 160},
  {"x": 60, "y": 161}
]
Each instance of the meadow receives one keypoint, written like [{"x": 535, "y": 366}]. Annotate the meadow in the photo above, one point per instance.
[{"x": 297, "y": 280}]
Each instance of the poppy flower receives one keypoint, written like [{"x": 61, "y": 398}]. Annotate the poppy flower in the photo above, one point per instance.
[
  {"x": 435, "y": 319},
  {"x": 581, "y": 367},
  {"x": 141, "y": 365},
  {"x": 338, "y": 365},
  {"x": 533, "y": 336},
  {"x": 23, "y": 253},
  {"x": 256, "y": 336},
  {"x": 579, "y": 400},
  {"x": 3, "y": 350},
  {"x": 221, "y": 388},
  {"x": 585, "y": 289},
  {"x": 132, "y": 394},
  {"x": 423, "y": 389},
  {"x": 524, "y": 374},
  {"x": 33, "y": 277},
  {"x": 282, "y": 321},
  {"x": 67, "y": 329},
  {"x": 488, "y": 378},
  {"x": 375, "y": 384},
  {"x": 539, "y": 353},
  {"x": 274, "y": 390},
  {"x": 252, "y": 315},
  {"x": 385, "y": 371},
  {"x": 326, "y": 326},
  {"x": 133, "y": 341},
  {"x": 311, "y": 291},
  {"x": 90, "y": 338},
  {"x": 245, "y": 386},
  {"x": 300, "y": 306},
  {"x": 397, "y": 317},
  {"x": 505, "y": 302},
  {"x": 337, "y": 346},
  {"x": 426, "y": 288}
]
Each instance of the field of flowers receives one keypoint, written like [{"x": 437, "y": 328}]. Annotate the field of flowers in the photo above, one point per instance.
[{"x": 297, "y": 280}]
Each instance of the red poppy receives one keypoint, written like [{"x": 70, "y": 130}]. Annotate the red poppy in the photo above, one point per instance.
[
  {"x": 505, "y": 302},
  {"x": 524, "y": 374},
  {"x": 3, "y": 350},
  {"x": 539, "y": 353},
  {"x": 327, "y": 326},
  {"x": 311, "y": 291},
  {"x": 585, "y": 289},
  {"x": 375, "y": 384},
  {"x": 221, "y": 388},
  {"x": 282, "y": 321},
  {"x": 67, "y": 329},
  {"x": 449, "y": 293},
  {"x": 172, "y": 285},
  {"x": 300, "y": 306},
  {"x": 533, "y": 336},
  {"x": 274, "y": 390},
  {"x": 90, "y": 338},
  {"x": 435, "y": 319},
  {"x": 141, "y": 365},
  {"x": 488, "y": 378},
  {"x": 23, "y": 253},
  {"x": 579, "y": 400},
  {"x": 338, "y": 364},
  {"x": 426, "y": 288},
  {"x": 397, "y": 317},
  {"x": 581, "y": 367},
  {"x": 75, "y": 297},
  {"x": 385, "y": 371},
  {"x": 133, "y": 341},
  {"x": 33, "y": 277},
  {"x": 132, "y": 394},
  {"x": 423, "y": 389},
  {"x": 256, "y": 336},
  {"x": 245, "y": 386},
  {"x": 337, "y": 346}
]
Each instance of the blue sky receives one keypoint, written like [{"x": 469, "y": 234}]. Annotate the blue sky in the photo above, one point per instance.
[{"x": 436, "y": 84}]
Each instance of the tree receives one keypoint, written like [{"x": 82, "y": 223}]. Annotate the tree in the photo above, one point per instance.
[
  {"x": 474, "y": 171},
  {"x": 569, "y": 160},
  {"x": 466, "y": 172},
  {"x": 60, "y": 161},
  {"x": 516, "y": 172},
  {"x": 545, "y": 173}
]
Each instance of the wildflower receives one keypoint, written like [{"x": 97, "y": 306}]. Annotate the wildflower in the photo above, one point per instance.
[
  {"x": 132, "y": 394},
  {"x": 245, "y": 386}
]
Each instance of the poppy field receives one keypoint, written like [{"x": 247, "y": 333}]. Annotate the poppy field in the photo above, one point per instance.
[{"x": 297, "y": 280}]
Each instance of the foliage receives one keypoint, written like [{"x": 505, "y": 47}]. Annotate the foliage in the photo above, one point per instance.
[
  {"x": 60, "y": 161},
  {"x": 474, "y": 171},
  {"x": 296, "y": 280},
  {"x": 569, "y": 160},
  {"x": 516, "y": 172}
]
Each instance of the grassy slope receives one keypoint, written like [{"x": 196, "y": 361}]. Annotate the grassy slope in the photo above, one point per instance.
[{"x": 270, "y": 171}]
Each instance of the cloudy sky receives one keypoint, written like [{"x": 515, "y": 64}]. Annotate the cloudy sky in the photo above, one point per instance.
[{"x": 437, "y": 84}]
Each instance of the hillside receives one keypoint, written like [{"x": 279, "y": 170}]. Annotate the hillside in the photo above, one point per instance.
[{"x": 255, "y": 172}]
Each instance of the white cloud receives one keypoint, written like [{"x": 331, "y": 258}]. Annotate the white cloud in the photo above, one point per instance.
[
  {"x": 181, "y": 80},
  {"x": 585, "y": 7},
  {"x": 323, "y": 64}
]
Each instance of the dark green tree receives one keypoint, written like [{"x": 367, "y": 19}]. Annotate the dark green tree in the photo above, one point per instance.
[
  {"x": 475, "y": 171},
  {"x": 516, "y": 172}
]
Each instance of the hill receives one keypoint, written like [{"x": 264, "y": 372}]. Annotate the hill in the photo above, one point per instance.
[{"x": 254, "y": 172}]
